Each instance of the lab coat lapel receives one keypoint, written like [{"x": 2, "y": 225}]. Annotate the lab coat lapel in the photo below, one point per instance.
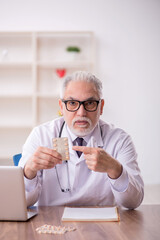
[
  {"x": 96, "y": 138},
  {"x": 94, "y": 141}
]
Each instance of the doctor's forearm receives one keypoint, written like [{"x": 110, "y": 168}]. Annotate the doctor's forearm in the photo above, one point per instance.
[
  {"x": 28, "y": 173},
  {"x": 115, "y": 170},
  {"x": 132, "y": 194}
]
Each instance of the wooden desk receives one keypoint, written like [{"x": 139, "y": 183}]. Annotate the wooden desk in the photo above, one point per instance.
[{"x": 140, "y": 224}]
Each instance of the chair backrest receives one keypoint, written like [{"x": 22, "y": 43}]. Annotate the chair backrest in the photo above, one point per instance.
[{"x": 16, "y": 159}]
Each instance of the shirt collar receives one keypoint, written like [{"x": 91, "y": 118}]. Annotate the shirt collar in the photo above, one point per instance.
[
  {"x": 96, "y": 132},
  {"x": 72, "y": 135}
]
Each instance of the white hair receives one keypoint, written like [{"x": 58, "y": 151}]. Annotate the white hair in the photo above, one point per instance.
[{"x": 82, "y": 76}]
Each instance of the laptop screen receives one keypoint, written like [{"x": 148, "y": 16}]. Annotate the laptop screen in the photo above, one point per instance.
[{"x": 12, "y": 201}]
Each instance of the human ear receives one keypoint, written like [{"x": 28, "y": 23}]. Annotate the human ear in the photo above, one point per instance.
[
  {"x": 61, "y": 106},
  {"x": 102, "y": 105}
]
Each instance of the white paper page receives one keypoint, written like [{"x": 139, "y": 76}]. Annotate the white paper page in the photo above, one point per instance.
[{"x": 90, "y": 214}]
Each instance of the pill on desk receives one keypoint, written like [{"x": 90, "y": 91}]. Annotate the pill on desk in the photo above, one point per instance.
[
  {"x": 61, "y": 145},
  {"x": 54, "y": 229}
]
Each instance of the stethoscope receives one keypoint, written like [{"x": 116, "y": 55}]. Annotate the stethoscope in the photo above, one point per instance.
[
  {"x": 65, "y": 190},
  {"x": 60, "y": 132}
]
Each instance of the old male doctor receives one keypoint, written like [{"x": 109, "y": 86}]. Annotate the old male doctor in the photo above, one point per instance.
[{"x": 102, "y": 169}]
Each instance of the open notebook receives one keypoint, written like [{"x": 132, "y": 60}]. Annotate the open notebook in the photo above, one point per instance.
[
  {"x": 13, "y": 205},
  {"x": 90, "y": 214}
]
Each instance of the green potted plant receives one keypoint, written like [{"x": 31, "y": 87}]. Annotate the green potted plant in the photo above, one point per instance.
[
  {"x": 73, "y": 52},
  {"x": 73, "y": 49}
]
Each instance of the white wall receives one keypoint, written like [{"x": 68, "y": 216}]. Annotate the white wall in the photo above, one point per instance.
[{"x": 128, "y": 59}]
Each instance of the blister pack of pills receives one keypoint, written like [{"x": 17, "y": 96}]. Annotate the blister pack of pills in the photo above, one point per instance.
[{"x": 61, "y": 146}]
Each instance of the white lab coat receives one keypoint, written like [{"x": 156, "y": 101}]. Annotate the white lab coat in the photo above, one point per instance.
[{"x": 86, "y": 187}]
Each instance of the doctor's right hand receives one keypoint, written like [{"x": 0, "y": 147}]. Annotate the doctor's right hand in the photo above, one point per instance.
[{"x": 43, "y": 158}]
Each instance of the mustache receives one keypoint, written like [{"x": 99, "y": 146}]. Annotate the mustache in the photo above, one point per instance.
[{"x": 81, "y": 119}]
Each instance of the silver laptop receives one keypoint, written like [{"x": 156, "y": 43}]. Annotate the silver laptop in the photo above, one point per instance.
[{"x": 13, "y": 206}]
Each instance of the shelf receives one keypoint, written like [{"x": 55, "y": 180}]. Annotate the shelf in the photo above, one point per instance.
[
  {"x": 22, "y": 126},
  {"x": 66, "y": 64},
  {"x": 15, "y": 95},
  {"x": 30, "y": 80},
  {"x": 6, "y": 161},
  {"x": 15, "y": 81},
  {"x": 15, "y": 111},
  {"x": 53, "y": 47},
  {"x": 15, "y": 48},
  {"x": 11, "y": 141},
  {"x": 15, "y": 64},
  {"x": 47, "y": 96},
  {"x": 49, "y": 109},
  {"x": 48, "y": 82}
]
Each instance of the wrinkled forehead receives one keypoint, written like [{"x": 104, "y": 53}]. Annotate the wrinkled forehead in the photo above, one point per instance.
[{"x": 81, "y": 90}]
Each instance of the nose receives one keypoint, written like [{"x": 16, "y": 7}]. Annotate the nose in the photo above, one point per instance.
[{"x": 81, "y": 111}]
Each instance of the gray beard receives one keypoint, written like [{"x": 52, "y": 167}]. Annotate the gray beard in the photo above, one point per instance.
[{"x": 82, "y": 133}]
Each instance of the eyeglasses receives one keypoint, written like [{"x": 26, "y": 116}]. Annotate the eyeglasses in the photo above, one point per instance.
[{"x": 74, "y": 105}]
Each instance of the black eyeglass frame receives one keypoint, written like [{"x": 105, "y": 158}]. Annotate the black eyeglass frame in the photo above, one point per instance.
[{"x": 81, "y": 103}]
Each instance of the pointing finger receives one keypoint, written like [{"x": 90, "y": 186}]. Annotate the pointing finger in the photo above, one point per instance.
[{"x": 85, "y": 150}]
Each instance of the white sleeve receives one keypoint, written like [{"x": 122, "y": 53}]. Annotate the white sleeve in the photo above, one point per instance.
[
  {"x": 32, "y": 187},
  {"x": 120, "y": 184},
  {"x": 128, "y": 189},
  {"x": 40, "y": 136}
]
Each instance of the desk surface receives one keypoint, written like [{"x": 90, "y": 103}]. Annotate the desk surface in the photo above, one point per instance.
[{"x": 141, "y": 224}]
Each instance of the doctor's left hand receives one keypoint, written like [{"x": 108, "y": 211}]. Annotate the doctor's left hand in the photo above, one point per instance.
[{"x": 99, "y": 160}]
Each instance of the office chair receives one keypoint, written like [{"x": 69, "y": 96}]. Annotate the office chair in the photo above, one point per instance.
[{"x": 16, "y": 159}]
